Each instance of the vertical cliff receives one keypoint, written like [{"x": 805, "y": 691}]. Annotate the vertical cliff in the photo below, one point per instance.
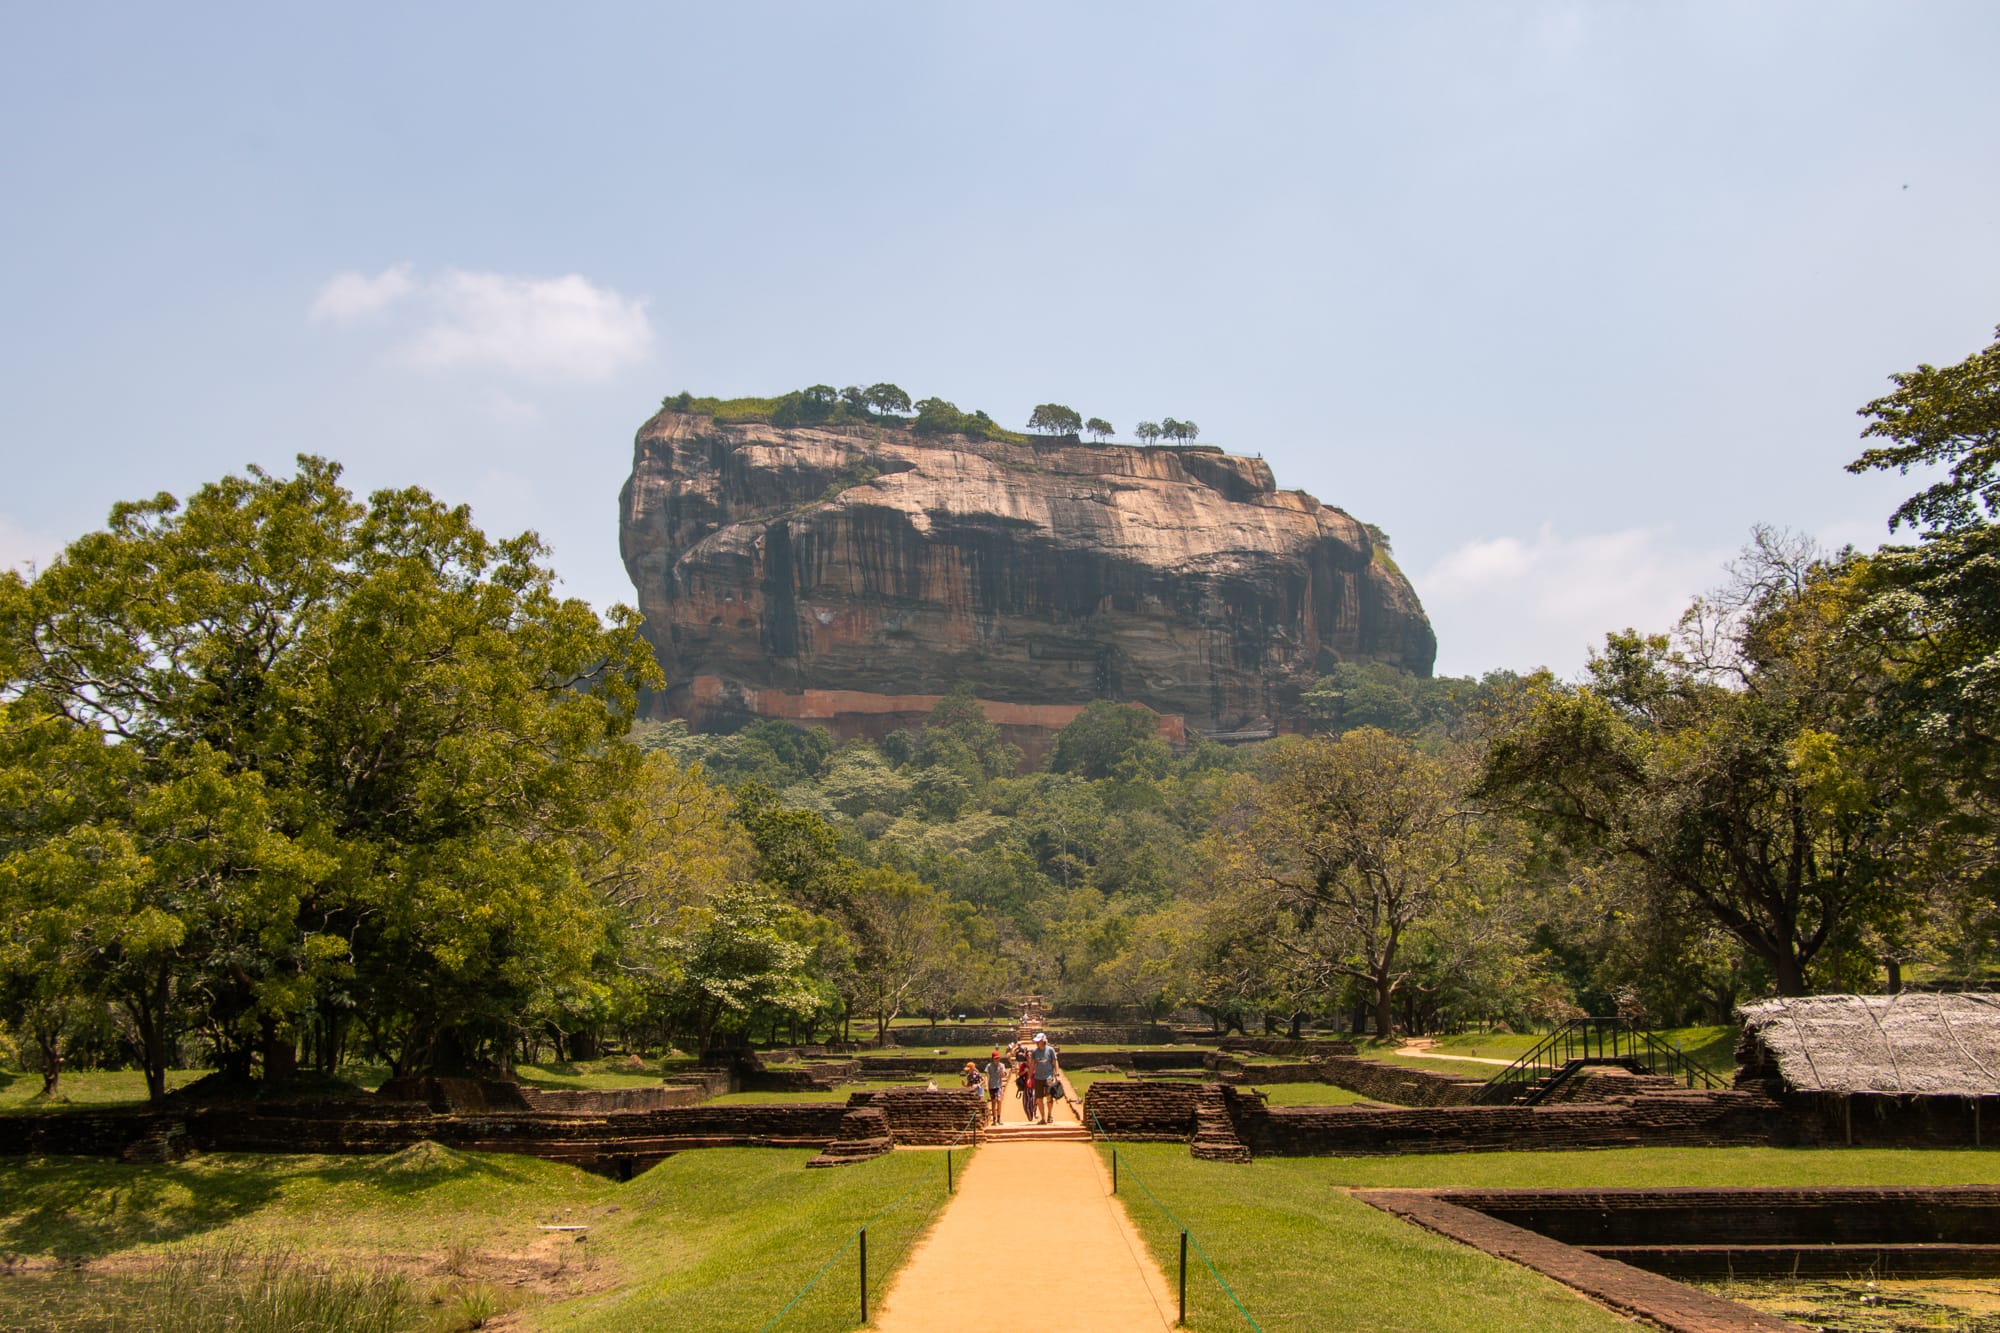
[{"x": 848, "y": 575}]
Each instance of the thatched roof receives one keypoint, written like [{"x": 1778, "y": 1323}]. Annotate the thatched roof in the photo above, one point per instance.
[{"x": 1936, "y": 1045}]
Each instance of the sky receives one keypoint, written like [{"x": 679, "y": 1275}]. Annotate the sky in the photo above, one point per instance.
[{"x": 1564, "y": 297}]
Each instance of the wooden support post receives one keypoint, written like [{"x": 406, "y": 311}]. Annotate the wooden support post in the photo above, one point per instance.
[
  {"x": 1847, "y": 1117},
  {"x": 864, "y": 1275}
]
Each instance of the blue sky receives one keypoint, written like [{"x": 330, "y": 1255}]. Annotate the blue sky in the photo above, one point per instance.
[{"x": 1563, "y": 296}]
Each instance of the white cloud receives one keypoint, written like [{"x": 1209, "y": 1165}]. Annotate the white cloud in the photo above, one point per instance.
[
  {"x": 565, "y": 328},
  {"x": 1548, "y": 600},
  {"x": 559, "y": 328},
  {"x": 348, "y": 297}
]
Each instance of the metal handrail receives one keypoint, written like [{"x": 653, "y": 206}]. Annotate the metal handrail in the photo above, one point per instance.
[{"x": 1592, "y": 1041}]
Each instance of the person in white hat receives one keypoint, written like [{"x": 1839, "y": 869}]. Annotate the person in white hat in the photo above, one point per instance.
[{"x": 1045, "y": 1060}]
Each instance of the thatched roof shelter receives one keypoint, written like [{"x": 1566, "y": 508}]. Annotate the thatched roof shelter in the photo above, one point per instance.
[{"x": 1909, "y": 1044}]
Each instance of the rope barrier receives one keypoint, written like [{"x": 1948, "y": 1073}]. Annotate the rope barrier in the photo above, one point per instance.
[
  {"x": 862, "y": 1230},
  {"x": 1182, "y": 1227}
]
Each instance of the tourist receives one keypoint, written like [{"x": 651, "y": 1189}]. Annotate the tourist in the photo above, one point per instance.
[
  {"x": 996, "y": 1083},
  {"x": 1024, "y": 1079},
  {"x": 1043, "y": 1061}
]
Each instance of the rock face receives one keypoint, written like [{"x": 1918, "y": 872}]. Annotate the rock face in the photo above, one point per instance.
[{"x": 850, "y": 575}]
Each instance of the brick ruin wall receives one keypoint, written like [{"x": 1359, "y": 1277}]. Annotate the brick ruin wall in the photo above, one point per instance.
[
  {"x": 943, "y": 1066},
  {"x": 1819, "y": 1215},
  {"x": 1156, "y": 1112},
  {"x": 949, "y": 1115},
  {"x": 615, "y": 1142},
  {"x": 1669, "y": 1119}
]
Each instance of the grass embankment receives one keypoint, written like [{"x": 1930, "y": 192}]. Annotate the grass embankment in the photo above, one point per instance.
[
  {"x": 1303, "y": 1256},
  {"x": 715, "y": 1239}
]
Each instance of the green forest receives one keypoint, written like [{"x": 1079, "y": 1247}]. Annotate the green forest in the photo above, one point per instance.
[{"x": 291, "y": 778}]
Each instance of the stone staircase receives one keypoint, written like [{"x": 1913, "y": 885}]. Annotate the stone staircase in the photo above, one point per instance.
[
  {"x": 1067, "y": 1131},
  {"x": 1214, "y": 1132}
]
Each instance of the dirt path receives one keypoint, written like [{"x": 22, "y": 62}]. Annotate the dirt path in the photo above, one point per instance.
[
  {"x": 1420, "y": 1047},
  {"x": 1031, "y": 1217}
]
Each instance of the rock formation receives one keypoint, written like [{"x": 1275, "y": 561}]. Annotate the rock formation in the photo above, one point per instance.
[{"x": 849, "y": 575}]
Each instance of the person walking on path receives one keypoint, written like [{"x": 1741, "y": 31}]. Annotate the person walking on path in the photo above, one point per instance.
[
  {"x": 1043, "y": 1061},
  {"x": 996, "y": 1085},
  {"x": 1024, "y": 1079}
]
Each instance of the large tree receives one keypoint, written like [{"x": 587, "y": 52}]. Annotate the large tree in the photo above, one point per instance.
[
  {"x": 1351, "y": 847},
  {"x": 1934, "y": 608},
  {"x": 359, "y": 743},
  {"x": 1055, "y": 419},
  {"x": 1728, "y": 769}
]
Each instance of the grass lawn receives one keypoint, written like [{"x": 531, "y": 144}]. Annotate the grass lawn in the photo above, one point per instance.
[
  {"x": 115, "y": 1087},
  {"x": 1309, "y": 1094},
  {"x": 597, "y": 1074},
  {"x": 713, "y": 1239},
  {"x": 1303, "y": 1256}
]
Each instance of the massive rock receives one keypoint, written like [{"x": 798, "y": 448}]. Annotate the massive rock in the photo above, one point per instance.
[{"x": 849, "y": 575}]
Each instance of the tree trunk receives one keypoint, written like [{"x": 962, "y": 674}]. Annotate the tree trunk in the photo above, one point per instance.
[
  {"x": 50, "y": 1044},
  {"x": 281, "y": 1052},
  {"x": 1385, "y": 1013},
  {"x": 1789, "y": 972}
]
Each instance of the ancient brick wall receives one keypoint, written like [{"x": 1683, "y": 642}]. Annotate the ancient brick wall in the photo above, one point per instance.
[
  {"x": 1151, "y": 1111},
  {"x": 954, "y": 1034},
  {"x": 1669, "y": 1119},
  {"x": 1841, "y": 1215},
  {"x": 80, "y": 1133},
  {"x": 602, "y": 1101},
  {"x": 920, "y": 1117}
]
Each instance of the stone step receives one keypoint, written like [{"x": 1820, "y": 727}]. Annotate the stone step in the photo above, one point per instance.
[{"x": 1065, "y": 1133}]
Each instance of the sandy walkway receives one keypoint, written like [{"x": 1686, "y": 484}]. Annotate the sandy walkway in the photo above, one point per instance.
[
  {"x": 1422, "y": 1050},
  {"x": 1048, "y": 1203}
]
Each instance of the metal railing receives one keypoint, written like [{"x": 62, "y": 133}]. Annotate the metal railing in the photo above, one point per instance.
[
  {"x": 1186, "y": 1237},
  {"x": 1582, "y": 1043},
  {"x": 858, "y": 1239}
]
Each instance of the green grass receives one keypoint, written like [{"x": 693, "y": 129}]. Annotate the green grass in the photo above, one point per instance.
[
  {"x": 596, "y": 1074},
  {"x": 1302, "y": 1257},
  {"x": 97, "y": 1087},
  {"x": 714, "y": 1239},
  {"x": 724, "y": 1241},
  {"x": 1309, "y": 1094}
]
